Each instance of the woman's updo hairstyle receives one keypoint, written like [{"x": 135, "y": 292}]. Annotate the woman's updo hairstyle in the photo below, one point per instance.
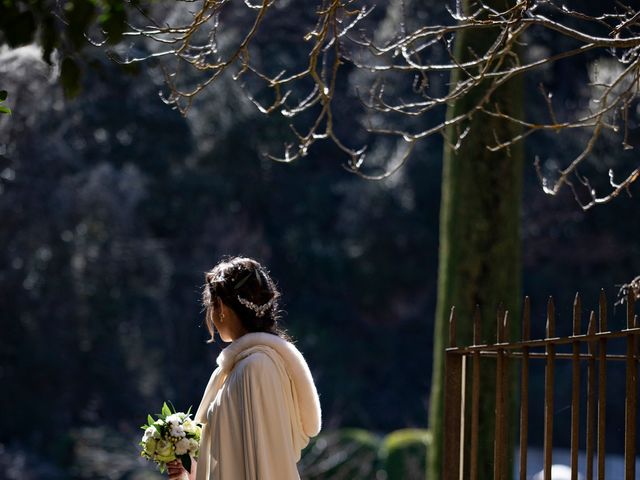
[{"x": 245, "y": 286}]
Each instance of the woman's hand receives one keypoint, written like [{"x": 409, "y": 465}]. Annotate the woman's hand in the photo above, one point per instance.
[{"x": 176, "y": 470}]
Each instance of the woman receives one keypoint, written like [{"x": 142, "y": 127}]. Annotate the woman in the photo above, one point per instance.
[{"x": 260, "y": 407}]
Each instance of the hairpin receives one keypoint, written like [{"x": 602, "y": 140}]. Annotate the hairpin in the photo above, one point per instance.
[
  {"x": 242, "y": 281},
  {"x": 259, "y": 309}
]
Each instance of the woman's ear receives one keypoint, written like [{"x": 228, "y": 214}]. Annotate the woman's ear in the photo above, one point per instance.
[{"x": 224, "y": 310}]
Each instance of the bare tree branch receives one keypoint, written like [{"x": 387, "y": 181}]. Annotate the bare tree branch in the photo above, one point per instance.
[{"x": 340, "y": 36}]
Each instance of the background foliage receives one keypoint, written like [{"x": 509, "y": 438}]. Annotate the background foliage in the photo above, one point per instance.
[{"x": 113, "y": 206}]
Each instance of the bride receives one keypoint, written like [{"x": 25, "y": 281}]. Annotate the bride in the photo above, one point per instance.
[{"x": 260, "y": 407}]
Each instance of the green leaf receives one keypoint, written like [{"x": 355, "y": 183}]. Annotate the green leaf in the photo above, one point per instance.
[
  {"x": 173, "y": 409},
  {"x": 149, "y": 420},
  {"x": 70, "y": 77},
  {"x": 186, "y": 462},
  {"x": 4, "y": 109},
  {"x": 3, "y": 95},
  {"x": 113, "y": 20},
  {"x": 165, "y": 410},
  {"x": 243, "y": 280}
]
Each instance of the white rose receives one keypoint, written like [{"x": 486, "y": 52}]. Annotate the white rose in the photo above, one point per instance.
[
  {"x": 182, "y": 446},
  {"x": 189, "y": 426},
  {"x": 193, "y": 445},
  {"x": 174, "y": 419},
  {"x": 150, "y": 432}
]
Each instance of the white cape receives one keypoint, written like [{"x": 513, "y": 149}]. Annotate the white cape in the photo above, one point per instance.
[{"x": 259, "y": 410}]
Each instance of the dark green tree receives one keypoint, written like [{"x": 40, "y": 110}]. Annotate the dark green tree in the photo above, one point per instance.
[{"x": 67, "y": 27}]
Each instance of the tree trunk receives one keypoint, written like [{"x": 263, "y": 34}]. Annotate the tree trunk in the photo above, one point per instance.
[{"x": 480, "y": 243}]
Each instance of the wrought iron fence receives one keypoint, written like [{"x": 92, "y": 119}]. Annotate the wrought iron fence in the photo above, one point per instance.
[{"x": 462, "y": 394}]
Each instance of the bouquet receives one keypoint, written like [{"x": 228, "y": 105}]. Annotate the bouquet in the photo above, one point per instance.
[{"x": 173, "y": 435}]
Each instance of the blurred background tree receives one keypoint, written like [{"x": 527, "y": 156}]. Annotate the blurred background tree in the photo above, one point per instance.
[{"x": 64, "y": 29}]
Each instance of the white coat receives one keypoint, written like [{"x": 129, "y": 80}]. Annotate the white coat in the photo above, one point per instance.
[{"x": 259, "y": 410}]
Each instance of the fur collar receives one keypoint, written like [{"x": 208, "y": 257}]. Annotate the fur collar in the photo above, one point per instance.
[{"x": 296, "y": 367}]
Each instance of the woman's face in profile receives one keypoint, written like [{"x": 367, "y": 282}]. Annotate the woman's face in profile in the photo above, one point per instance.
[
  {"x": 213, "y": 317},
  {"x": 214, "y": 313}
]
